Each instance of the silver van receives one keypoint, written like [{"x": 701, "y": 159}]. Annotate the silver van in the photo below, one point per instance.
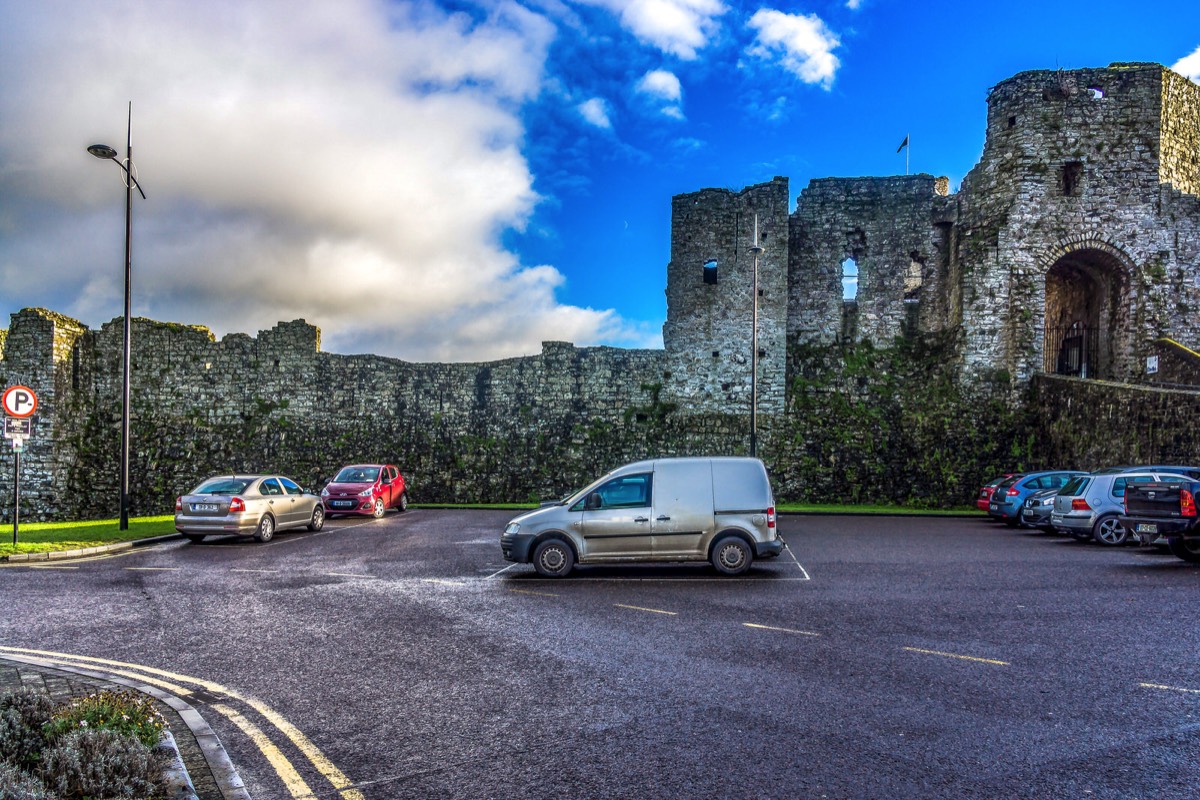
[{"x": 669, "y": 509}]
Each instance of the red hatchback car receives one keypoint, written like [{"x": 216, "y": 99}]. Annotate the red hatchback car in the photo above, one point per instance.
[
  {"x": 985, "y": 491},
  {"x": 365, "y": 489}
]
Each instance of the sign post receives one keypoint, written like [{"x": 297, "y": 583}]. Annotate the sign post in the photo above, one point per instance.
[{"x": 19, "y": 404}]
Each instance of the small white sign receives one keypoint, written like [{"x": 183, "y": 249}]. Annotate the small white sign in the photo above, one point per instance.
[{"x": 1151, "y": 365}]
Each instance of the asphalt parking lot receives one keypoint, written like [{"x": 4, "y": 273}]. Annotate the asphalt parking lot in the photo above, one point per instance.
[{"x": 898, "y": 657}]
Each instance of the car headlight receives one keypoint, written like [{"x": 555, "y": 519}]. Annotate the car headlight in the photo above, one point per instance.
[
  {"x": 512, "y": 528},
  {"x": 325, "y": 492},
  {"x": 366, "y": 492}
]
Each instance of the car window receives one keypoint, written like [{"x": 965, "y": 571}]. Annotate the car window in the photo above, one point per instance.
[
  {"x": 222, "y": 486},
  {"x": 628, "y": 491},
  {"x": 291, "y": 487},
  {"x": 270, "y": 486},
  {"x": 357, "y": 475},
  {"x": 1076, "y": 486}
]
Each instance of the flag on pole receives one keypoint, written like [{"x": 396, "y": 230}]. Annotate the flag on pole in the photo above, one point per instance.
[{"x": 903, "y": 145}]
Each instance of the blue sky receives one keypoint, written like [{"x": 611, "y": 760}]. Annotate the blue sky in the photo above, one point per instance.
[{"x": 458, "y": 180}]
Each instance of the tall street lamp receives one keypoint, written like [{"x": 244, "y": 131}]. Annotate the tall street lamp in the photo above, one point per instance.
[
  {"x": 757, "y": 250},
  {"x": 105, "y": 152}
]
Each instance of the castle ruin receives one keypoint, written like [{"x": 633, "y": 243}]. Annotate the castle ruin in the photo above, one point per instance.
[{"x": 1071, "y": 249}]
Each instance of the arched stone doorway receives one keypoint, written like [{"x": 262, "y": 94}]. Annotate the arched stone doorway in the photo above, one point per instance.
[{"x": 1086, "y": 316}]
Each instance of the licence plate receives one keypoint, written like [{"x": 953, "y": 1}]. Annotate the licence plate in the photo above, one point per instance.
[
  {"x": 1147, "y": 527},
  {"x": 992, "y": 506},
  {"x": 342, "y": 503},
  {"x": 204, "y": 506}
]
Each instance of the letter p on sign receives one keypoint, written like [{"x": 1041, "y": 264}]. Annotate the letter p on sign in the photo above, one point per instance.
[{"x": 20, "y": 401}]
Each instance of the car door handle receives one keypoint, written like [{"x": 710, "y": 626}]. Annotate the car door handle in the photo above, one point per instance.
[
  {"x": 663, "y": 518},
  {"x": 641, "y": 519}
]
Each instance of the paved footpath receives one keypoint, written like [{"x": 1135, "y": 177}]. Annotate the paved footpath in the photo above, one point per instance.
[{"x": 212, "y": 775}]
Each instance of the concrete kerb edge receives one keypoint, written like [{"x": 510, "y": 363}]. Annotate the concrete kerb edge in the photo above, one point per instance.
[
  {"x": 62, "y": 555},
  {"x": 229, "y": 782}
]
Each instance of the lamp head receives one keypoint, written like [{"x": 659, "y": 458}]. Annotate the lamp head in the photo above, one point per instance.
[{"x": 102, "y": 151}]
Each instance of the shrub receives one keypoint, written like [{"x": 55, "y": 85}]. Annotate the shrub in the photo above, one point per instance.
[
  {"x": 17, "y": 785},
  {"x": 22, "y": 715},
  {"x": 125, "y": 712},
  {"x": 88, "y": 763}
]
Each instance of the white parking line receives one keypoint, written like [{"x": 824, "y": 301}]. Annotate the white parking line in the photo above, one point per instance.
[
  {"x": 956, "y": 655},
  {"x": 506, "y": 569},
  {"x": 346, "y": 575},
  {"x": 1168, "y": 688},
  {"x": 258, "y": 571},
  {"x": 651, "y": 610},
  {"x": 780, "y": 630},
  {"x": 800, "y": 566}
]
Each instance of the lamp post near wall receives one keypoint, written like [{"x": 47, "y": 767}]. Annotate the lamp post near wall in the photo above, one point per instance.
[
  {"x": 756, "y": 249},
  {"x": 105, "y": 152}
]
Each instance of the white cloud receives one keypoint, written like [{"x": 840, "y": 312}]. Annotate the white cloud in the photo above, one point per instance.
[
  {"x": 800, "y": 43},
  {"x": 663, "y": 88},
  {"x": 353, "y": 163},
  {"x": 595, "y": 111},
  {"x": 854, "y": 5},
  {"x": 1189, "y": 66},
  {"x": 678, "y": 27}
]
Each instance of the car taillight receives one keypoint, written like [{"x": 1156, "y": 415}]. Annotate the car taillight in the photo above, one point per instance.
[
  {"x": 1079, "y": 504},
  {"x": 236, "y": 505},
  {"x": 1187, "y": 503},
  {"x": 179, "y": 504},
  {"x": 771, "y": 517},
  {"x": 1013, "y": 491}
]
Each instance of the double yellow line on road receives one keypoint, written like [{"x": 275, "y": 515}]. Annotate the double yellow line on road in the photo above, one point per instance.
[{"x": 291, "y": 778}]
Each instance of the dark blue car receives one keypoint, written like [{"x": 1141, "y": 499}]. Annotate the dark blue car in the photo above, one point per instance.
[{"x": 1008, "y": 498}]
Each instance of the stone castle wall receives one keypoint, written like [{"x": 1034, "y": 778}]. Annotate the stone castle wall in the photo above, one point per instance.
[{"x": 1072, "y": 246}]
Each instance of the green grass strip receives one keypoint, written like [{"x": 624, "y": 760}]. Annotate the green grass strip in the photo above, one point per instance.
[{"x": 41, "y": 537}]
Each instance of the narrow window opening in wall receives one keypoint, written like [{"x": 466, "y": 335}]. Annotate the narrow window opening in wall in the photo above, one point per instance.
[
  {"x": 849, "y": 279},
  {"x": 1012, "y": 121},
  {"x": 724, "y": 387},
  {"x": 760, "y": 292},
  {"x": 710, "y": 271},
  {"x": 1072, "y": 178},
  {"x": 716, "y": 353},
  {"x": 913, "y": 278},
  {"x": 277, "y": 362},
  {"x": 1096, "y": 92},
  {"x": 762, "y": 353}
]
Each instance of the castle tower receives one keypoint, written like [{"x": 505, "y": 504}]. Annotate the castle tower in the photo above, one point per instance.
[{"x": 710, "y": 300}]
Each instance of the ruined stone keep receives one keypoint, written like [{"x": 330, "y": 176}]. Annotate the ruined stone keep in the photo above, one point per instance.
[{"x": 1070, "y": 249}]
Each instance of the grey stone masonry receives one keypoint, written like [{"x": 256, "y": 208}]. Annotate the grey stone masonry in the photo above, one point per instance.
[{"x": 710, "y": 302}]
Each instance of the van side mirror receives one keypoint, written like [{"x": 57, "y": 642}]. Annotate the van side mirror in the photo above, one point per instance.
[{"x": 594, "y": 501}]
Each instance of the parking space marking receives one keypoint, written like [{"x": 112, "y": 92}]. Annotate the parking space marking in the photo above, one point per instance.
[
  {"x": 528, "y": 591},
  {"x": 258, "y": 571},
  {"x": 781, "y": 630},
  {"x": 275, "y": 757},
  {"x": 799, "y": 566},
  {"x": 651, "y": 610},
  {"x": 443, "y": 582},
  {"x": 152, "y": 569},
  {"x": 346, "y": 575},
  {"x": 956, "y": 655},
  {"x": 506, "y": 569},
  {"x": 1168, "y": 688}
]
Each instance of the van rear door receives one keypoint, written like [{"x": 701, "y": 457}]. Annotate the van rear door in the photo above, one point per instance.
[{"x": 683, "y": 508}]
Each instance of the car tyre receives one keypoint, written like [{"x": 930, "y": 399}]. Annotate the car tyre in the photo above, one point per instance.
[
  {"x": 1109, "y": 531},
  {"x": 1188, "y": 550},
  {"x": 553, "y": 558},
  {"x": 402, "y": 506},
  {"x": 266, "y": 528},
  {"x": 379, "y": 509},
  {"x": 318, "y": 519},
  {"x": 731, "y": 555},
  {"x": 195, "y": 538}
]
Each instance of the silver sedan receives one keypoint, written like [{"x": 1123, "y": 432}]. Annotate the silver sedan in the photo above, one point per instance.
[{"x": 247, "y": 505}]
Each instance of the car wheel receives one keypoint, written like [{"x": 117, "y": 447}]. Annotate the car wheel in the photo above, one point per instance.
[
  {"x": 731, "y": 555},
  {"x": 1188, "y": 550},
  {"x": 403, "y": 504},
  {"x": 194, "y": 537},
  {"x": 266, "y": 528},
  {"x": 553, "y": 558},
  {"x": 318, "y": 519},
  {"x": 379, "y": 509},
  {"x": 1108, "y": 530}
]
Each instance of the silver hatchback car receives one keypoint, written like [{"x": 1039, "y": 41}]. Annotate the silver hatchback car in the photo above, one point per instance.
[
  {"x": 1088, "y": 506},
  {"x": 245, "y": 505}
]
